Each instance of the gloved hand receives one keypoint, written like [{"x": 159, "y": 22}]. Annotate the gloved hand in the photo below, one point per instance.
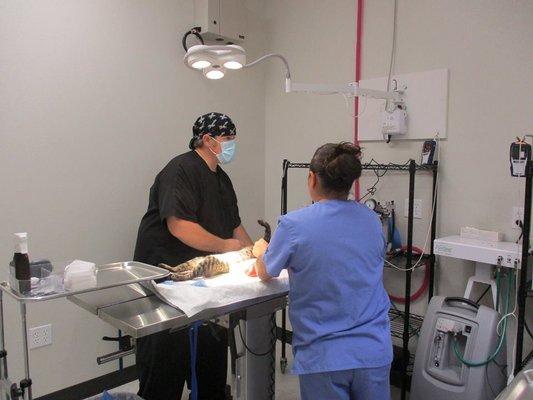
[
  {"x": 251, "y": 271},
  {"x": 258, "y": 250},
  {"x": 260, "y": 247}
]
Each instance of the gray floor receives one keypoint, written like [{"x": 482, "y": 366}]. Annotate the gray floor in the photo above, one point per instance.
[{"x": 286, "y": 385}]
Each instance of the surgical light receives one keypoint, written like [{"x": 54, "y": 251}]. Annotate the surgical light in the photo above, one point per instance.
[
  {"x": 197, "y": 58},
  {"x": 233, "y": 65},
  {"x": 201, "y": 64},
  {"x": 213, "y": 60},
  {"x": 214, "y": 72}
]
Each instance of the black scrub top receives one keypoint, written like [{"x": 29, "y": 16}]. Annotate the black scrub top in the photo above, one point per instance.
[{"x": 186, "y": 189}]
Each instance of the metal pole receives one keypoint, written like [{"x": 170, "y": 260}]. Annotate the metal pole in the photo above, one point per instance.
[
  {"x": 284, "y": 185},
  {"x": 522, "y": 290},
  {"x": 409, "y": 262},
  {"x": 25, "y": 384},
  {"x": 433, "y": 233},
  {"x": 284, "y": 180},
  {"x": 120, "y": 360},
  {"x": 3, "y": 353}
]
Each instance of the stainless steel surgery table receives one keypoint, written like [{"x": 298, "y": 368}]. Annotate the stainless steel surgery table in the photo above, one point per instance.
[{"x": 138, "y": 312}]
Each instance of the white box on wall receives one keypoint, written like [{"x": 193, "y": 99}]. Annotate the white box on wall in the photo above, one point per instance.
[
  {"x": 426, "y": 98},
  {"x": 221, "y": 21}
]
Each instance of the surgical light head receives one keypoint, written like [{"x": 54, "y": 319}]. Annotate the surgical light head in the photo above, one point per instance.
[{"x": 214, "y": 60}]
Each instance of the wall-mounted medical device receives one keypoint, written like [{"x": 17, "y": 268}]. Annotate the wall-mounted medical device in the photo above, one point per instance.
[
  {"x": 429, "y": 152},
  {"x": 519, "y": 155},
  {"x": 394, "y": 122}
]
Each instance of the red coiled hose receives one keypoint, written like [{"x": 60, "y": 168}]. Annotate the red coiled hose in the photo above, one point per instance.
[{"x": 425, "y": 283}]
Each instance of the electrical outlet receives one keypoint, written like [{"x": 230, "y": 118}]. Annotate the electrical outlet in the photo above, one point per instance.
[
  {"x": 417, "y": 208},
  {"x": 40, "y": 336},
  {"x": 518, "y": 215}
]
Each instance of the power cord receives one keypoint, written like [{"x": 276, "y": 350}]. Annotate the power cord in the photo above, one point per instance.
[
  {"x": 373, "y": 189},
  {"x": 487, "y": 380},
  {"x": 527, "y": 329},
  {"x": 271, "y": 352},
  {"x": 393, "y": 52},
  {"x": 194, "y": 31},
  {"x": 483, "y": 294},
  {"x": 266, "y": 353},
  {"x": 471, "y": 363}
]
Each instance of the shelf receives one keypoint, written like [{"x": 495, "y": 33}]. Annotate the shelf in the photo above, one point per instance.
[
  {"x": 376, "y": 166},
  {"x": 416, "y": 257},
  {"x": 396, "y": 322}
]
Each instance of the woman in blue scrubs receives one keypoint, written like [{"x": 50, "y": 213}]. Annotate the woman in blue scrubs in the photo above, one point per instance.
[{"x": 333, "y": 251}]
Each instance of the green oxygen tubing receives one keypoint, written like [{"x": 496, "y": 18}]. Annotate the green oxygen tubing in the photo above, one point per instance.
[{"x": 471, "y": 363}]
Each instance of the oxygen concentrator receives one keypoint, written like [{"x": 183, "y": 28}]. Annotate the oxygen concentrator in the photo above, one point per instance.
[{"x": 458, "y": 336}]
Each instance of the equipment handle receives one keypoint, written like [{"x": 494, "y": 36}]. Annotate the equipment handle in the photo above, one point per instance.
[
  {"x": 124, "y": 342},
  {"x": 268, "y": 231},
  {"x": 116, "y": 355},
  {"x": 461, "y": 300}
]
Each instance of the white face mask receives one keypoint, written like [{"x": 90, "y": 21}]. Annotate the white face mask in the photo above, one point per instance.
[{"x": 227, "y": 153}]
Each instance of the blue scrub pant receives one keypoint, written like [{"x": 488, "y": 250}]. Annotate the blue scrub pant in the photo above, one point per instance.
[{"x": 351, "y": 384}]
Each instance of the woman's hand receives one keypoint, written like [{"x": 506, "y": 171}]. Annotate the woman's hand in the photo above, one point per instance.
[
  {"x": 259, "y": 248},
  {"x": 251, "y": 271}
]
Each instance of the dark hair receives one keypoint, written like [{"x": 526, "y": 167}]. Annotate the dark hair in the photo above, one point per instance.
[{"x": 337, "y": 165}]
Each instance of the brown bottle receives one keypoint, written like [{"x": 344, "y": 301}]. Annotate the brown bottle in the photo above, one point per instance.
[{"x": 21, "y": 262}]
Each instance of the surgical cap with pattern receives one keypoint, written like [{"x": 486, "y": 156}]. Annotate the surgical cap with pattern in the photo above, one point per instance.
[{"x": 213, "y": 124}]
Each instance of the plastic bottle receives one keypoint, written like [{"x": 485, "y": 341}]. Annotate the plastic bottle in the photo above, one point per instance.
[{"x": 21, "y": 262}]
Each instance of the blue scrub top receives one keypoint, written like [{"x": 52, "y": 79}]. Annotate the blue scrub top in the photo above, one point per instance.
[{"x": 338, "y": 307}]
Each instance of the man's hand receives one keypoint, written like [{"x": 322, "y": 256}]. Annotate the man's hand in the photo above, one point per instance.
[
  {"x": 259, "y": 248},
  {"x": 232, "y": 245}
]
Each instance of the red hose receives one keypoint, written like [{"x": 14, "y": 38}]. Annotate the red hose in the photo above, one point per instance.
[
  {"x": 358, "y": 43},
  {"x": 425, "y": 283}
]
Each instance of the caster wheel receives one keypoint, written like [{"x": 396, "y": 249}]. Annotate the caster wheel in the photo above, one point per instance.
[{"x": 283, "y": 365}]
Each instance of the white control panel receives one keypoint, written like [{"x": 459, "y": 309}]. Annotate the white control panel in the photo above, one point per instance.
[
  {"x": 445, "y": 325},
  {"x": 506, "y": 254}
]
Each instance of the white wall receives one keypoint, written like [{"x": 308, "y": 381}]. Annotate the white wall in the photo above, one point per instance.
[
  {"x": 95, "y": 99},
  {"x": 487, "y": 47},
  {"x": 317, "y": 38}
]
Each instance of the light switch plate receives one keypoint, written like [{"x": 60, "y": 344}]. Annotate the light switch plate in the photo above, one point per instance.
[{"x": 417, "y": 208}]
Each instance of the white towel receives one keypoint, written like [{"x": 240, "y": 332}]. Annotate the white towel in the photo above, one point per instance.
[
  {"x": 199, "y": 294},
  {"x": 80, "y": 275}
]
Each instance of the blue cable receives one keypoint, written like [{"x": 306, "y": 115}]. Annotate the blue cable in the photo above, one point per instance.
[
  {"x": 394, "y": 234},
  {"x": 193, "y": 345}
]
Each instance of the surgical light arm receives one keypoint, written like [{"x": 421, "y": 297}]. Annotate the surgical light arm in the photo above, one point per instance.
[{"x": 350, "y": 89}]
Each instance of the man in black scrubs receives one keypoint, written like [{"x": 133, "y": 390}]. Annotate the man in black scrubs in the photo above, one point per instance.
[{"x": 192, "y": 212}]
